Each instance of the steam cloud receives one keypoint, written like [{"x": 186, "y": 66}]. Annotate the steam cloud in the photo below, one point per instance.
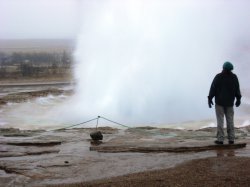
[{"x": 152, "y": 61}]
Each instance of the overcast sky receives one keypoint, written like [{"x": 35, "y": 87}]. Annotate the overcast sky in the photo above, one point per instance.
[
  {"x": 61, "y": 18},
  {"x": 39, "y": 19}
]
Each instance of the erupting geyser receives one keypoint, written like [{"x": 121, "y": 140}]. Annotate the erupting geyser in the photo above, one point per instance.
[
  {"x": 147, "y": 62},
  {"x": 153, "y": 61}
]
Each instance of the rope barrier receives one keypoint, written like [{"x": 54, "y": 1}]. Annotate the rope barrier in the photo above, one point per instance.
[
  {"x": 97, "y": 122},
  {"x": 114, "y": 122},
  {"x": 101, "y": 117},
  {"x": 75, "y": 124}
]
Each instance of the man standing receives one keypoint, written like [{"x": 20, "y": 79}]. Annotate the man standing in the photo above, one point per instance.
[{"x": 225, "y": 88}]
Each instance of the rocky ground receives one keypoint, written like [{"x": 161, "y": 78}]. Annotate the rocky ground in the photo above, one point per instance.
[
  {"x": 142, "y": 156},
  {"x": 67, "y": 157},
  {"x": 21, "y": 91},
  {"x": 24, "y": 96}
]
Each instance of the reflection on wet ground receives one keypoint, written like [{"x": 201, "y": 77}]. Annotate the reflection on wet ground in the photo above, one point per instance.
[
  {"x": 72, "y": 161},
  {"x": 222, "y": 153}
]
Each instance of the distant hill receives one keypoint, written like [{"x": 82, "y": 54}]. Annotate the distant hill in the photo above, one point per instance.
[{"x": 37, "y": 45}]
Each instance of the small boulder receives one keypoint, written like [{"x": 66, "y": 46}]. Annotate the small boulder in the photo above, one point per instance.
[{"x": 97, "y": 135}]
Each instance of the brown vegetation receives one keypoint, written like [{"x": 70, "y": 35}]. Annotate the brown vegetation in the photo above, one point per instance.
[{"x": 38, "y": 60}]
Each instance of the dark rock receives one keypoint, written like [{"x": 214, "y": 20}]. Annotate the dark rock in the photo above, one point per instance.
[
  {"x": 19, "y": 153},
  {"x": 129, "y": 148},
  {"x": 97, "y": 135},
  {"x": 146, "y": 128},
  {"x": 35, "y": 143},
  {"x": 9, "y": 130},
  {"x": 18, "y": 135},
  {"x": 14, "y": 132},
  {"x": 2, "y": 102}
]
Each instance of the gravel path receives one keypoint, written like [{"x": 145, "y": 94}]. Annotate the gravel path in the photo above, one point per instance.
[{"x": 228, "y": 171}]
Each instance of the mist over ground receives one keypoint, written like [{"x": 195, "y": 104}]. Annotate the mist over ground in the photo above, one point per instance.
[
  {"x": 154, "y": 61},
  {"x": 140, "y": 62}
]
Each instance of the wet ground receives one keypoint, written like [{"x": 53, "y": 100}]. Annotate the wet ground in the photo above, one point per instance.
[{"x": 40, "y": 158}]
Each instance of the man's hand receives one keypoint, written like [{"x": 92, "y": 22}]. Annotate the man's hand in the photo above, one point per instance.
[
  {"x": 210, "y": 102},
  {"x": 237, "y": 103}
]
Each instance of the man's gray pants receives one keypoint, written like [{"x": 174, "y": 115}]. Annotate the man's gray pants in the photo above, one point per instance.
[{"x": 228, "y": 112}]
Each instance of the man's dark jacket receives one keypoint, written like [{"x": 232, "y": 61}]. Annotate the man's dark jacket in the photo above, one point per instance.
[{"x": 225, "y": 88}]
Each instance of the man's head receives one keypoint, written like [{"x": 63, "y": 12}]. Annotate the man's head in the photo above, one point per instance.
[{"x": 228, "y": 66}]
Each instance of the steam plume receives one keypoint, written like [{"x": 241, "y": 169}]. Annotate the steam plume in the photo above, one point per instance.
[{"x": 152, "y": 61}]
